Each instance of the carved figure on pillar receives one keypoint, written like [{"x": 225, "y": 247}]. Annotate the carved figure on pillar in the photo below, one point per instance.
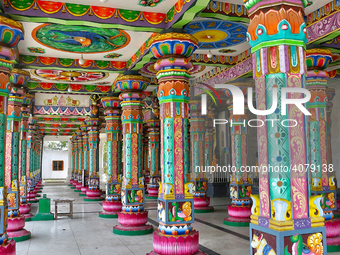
[
  {"x": 133, "y": 217},
  {"x": 175, "y": 202},
  {"x": 283, "y": 213},
  {"x": 112, "y": 204}
]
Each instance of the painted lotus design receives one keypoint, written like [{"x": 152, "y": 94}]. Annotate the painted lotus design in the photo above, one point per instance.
[{"x": 69, "y": 76}]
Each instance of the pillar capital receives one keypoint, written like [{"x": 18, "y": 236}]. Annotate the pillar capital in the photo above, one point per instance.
[
  {"x": 278, "y": 36},
  {"x": 19, "y": 78},
  {"x": 173, "y": 43},
  {"x": 255, "y": 5},
  {"x": 131, "y": 82}
]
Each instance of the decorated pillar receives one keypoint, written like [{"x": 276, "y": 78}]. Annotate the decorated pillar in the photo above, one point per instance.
[
  {"x": 145, "y": 158},
  {"x": 86, "y": 153},
  {"x": 153, "y": 126},
  {"x": 79, "y": 185},
  {"x": 10, "y": 37},
  {"x": 175, "y": 234},
  {"x": 197, "y": 155},
  {"x": 112, "y": 204},
  {"x": 146, "y": 168},
  {"x": 93, "y": 126},
  {"x": 284, "y": 215},
  {"x": 38, "y": 184},
  {"x": 209, "y": 138},
  {"x": 133, "y": 217},
  {"x": 16, "y": 222},
  {"x": 75, "y": 162},
  {"x": 37, "y": 171},
  {"x": 240, "y": 182},
  {"x": 72, "y": 161},
  {"x": 322, "y": 174},
  {"x": 330, "y": 92},
  {"x": 25, "y": 207},
  {"x": 30, "y": 160},
  {"x": 7, "y": 246}
]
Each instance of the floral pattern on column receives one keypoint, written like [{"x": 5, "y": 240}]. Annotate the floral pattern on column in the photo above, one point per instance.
[
  {"x": 93, "y": 125},
  {"x": 133, "y": 217},
  {"x": 175, "y": 202},
  {"x": 112, "y": 204},
  {"x": 25, "y": 207},
  {"x": 277, "y": 34}
]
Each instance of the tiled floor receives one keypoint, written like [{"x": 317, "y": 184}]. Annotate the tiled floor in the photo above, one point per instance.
[{"x": 87, "y": 234}]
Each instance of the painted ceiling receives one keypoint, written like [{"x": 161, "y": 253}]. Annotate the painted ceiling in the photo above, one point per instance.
[
  {"x": 66, "y": 76},
  {"x": 161, "y": 6},
  {"x": 55, "y": 40},
  {"x": 112, "y": 37}
]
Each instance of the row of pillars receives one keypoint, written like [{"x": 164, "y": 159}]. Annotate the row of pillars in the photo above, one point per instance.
[
  {"x": 20, "y": 143},
  {"x": 300, "y": 200}
]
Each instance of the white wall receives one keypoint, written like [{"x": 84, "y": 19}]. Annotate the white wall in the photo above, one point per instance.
[{"x": 48, "y": 157}]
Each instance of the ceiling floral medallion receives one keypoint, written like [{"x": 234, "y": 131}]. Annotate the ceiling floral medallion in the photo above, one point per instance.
[
  {"x": 227, "y": 51},
  {"x": 113, "y": 55},
  {"x": 150, "y": 3},
  {"x": 80, "y": 39},
  {"x": 36, "y": 50},
  {"x": 69, "y": 76},
  {"x": 216, "y": 34}
]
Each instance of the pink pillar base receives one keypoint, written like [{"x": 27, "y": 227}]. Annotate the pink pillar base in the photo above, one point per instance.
[
  {"x": 31, "y": 195},
  {"x": 133, "y": 224},
  {"x": 334, "y": 241},
  {"x": 25, "y": 208},
  {"x": 332, "y": 228},
  {"x": 16, "y": 223},
  {"x": 237, "y": 220},
  {"x": 239, "y": 216},
  {"x": 133, "y": 219},
  {"x": 16, "y": 229},
  {"x": 201, "y": 204},
  {"x": 9, "y": 248},
  {"x": 84, "y": 189},
  {"x": 19, "y": 234},
  {"x": 94, "y": 193},
  {"x": 153, "y": 192},
  {"x": 197, "y": 253},
  {"x": 79, "y": 186},
  {"x": 239, "y": 212},
  {"x": 129, "y": 230},
  {"x": 33, "y": 200},
  {"x": 112, "y": 207},
  {"x": 179, "y": 245}
]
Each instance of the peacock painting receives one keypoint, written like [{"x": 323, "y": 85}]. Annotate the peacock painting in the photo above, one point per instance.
[{"x": 80, "y": 39}]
